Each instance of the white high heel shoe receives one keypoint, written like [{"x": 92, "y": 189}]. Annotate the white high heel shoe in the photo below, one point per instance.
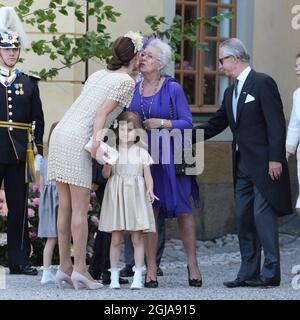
[
  {"x": 79, "y": 281},
  {"x": 61, "y": 279}
]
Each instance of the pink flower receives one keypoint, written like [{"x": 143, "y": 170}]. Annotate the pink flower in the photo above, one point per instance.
[
  {"x": 4, "y": 209},
  {"x": 2, "y": 195},
  {"x": 95, "y": 220},
  {"x": 90, "y": 207},
  {"x": 35, "y": 188},
  {"x": 31, "y": 213},
  {"x": 35, "y": 201},
  {"x": 32, "y": 235},
  {"x": 93, "y": 195}
]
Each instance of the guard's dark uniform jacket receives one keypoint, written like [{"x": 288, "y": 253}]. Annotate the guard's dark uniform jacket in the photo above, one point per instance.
[
  {"x": 20, "y": 106},
  {"x": 20, "y": 103}
]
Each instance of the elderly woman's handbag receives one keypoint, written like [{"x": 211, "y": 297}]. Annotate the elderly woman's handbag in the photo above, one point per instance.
[{"x": 180, "y": 168}]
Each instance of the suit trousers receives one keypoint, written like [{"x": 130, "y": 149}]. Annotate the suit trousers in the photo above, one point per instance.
[
  {"x": 257, "y": 228},
  {"x": 16, "y": 191}
]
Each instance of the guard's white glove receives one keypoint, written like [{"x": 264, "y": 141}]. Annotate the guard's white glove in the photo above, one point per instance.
[{"x": 37, "y": 162}]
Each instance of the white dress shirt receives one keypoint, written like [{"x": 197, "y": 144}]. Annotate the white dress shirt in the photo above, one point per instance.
[{"x": 242, "y": 78}]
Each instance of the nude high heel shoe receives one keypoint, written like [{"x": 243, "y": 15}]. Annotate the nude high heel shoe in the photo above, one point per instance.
[
  {"x": 61, "y": 279},
  {"x": 80, "y": 281}
]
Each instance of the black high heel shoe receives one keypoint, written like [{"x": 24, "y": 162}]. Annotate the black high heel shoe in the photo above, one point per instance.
[
  {"x": 151, "y": 283},
  {"x": 194, "y": 282}
]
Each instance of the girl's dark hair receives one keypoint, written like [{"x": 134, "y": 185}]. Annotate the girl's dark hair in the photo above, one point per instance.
[
  {"x": 298, "y": 55},
  {"x": 132, "y": 117},
  {"x": 122, "y": 53},
  {"x": 50, "y": 132}
]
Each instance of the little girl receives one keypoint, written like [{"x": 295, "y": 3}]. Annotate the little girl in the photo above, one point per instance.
[
  {"x": 48, "y": 209},
  {"x": 128, "y": 198}
]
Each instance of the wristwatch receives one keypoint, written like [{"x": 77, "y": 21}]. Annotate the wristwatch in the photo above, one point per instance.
[{"x": 162, "y": 123}]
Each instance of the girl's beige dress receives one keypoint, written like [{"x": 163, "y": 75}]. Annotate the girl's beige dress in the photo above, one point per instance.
[
  {"x": 68, "y": 161},
  {"x": 125, "y": 206}
]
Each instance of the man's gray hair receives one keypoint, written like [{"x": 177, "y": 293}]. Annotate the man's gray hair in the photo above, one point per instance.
[
  {"x": 235, "y": 47},
  {"x": 165, "y": 55}
]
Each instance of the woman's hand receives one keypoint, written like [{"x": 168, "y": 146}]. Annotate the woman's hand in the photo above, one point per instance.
[
  {"x": 151, "y": 196},
  {"x": 95, "y": 147},
  {"x": 99, "y": 154},
  {"x": 152, "y": 123}
]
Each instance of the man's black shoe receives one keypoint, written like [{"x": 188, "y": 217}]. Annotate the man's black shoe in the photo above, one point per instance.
[
  {"x": 123, "y": 281},
  {"x": 127, "y": 271},
  {"x": 235, "y": 283},
  {"x": 263, "y": 283},
  {"x": 29, "y": 271}
]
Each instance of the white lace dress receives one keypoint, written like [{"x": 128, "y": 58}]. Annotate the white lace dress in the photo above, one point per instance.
[{"x": 68, "y": 161}]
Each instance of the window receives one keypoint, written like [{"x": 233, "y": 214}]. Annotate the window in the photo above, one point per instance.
[{"x": 197, "y": 71}]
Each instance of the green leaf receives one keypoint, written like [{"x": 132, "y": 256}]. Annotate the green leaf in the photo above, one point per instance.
[
  {"x": 52, "y": 28},
  {"x": 79, "y": 15},
  {"x": 63, "y": 11},
  {"x": 91, "y": 11},
  {"x": 41, "y": 27},
  {"x": 71, "y": 3}
]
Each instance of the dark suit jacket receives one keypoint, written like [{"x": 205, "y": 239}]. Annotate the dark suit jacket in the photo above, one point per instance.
[
  {"x": 260, "y": 133},
  {"x": 24, "y": 108}
]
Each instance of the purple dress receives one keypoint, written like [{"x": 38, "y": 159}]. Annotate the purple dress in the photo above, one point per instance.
[{"x": 174, "y": 192}]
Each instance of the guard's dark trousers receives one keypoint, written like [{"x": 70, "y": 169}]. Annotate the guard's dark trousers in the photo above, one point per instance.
[{"x": 16, "y": 191}]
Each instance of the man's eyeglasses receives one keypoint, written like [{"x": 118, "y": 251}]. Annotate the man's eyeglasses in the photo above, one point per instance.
[
  {"x": 221, "y": 60},
  {"x": 148, "y": 56}
]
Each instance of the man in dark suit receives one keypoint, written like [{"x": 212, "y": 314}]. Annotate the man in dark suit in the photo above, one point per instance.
[
  {"x": 20, "y": 110},
  {"x": 253, "y": 110}
]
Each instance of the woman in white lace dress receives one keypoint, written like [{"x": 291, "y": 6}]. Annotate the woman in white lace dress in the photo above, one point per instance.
[
  {"x": 293, "y": 134},
  {"x": 104, "y": 96}
]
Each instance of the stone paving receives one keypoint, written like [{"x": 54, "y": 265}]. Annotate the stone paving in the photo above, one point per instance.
[{"x": 219, "y": 261}]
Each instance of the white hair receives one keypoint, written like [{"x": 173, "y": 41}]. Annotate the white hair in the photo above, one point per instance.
[
  {"x": 10, "y": 22},
  {"x": 235, "y": 47},
  {"x": 165, "y": 55}
]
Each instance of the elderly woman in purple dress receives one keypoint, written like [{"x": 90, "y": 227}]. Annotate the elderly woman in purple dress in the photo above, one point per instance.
[{"x": 152, "y": 100}]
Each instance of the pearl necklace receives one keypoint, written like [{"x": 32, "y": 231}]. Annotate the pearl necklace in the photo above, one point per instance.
[{"x": 151, "y": 102}]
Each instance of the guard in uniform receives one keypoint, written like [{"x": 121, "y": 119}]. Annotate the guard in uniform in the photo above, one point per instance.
[{"x": 20, "y": 113}]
